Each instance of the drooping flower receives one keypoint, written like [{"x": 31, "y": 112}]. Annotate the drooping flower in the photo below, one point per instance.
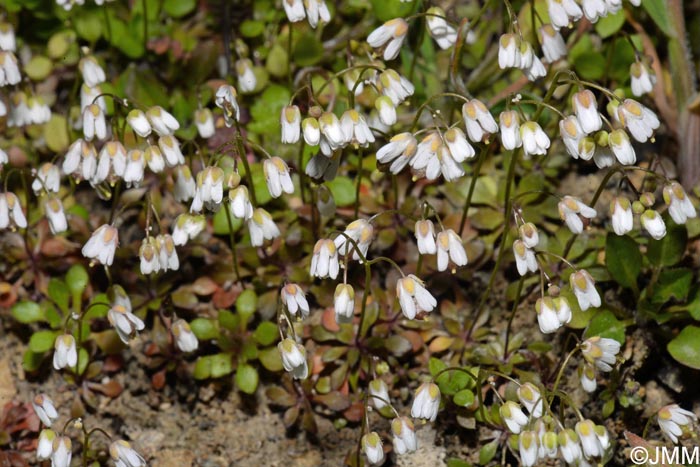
[
  {"x": 404, "y": 435},
  {"x": 444, "y": 34},
  {"x": 344, "y": 303},
  {"x": 389, "y": 35},
  {"x": 45, "y": 445},
  {"x": 585, "y": 430},
  {"x": 62, "y": 452},
  {"x": 584, "y": 288},
  {"x": 425, "y": 237},
  {"x": 226, "y": 100},
  {"x": 138, "y": 122},
  {"x": 621, "y": 215},
  {"x": 478, "y": 120},
  {"x": 262, "y": 227},
  {"x": 162, "y": 121},
  {"x": 124, "y": 455},
  {"x": 317, "y": 10},
  {"x": 638, "y": 119},
  {"x": 372, "y": 447},
  {"x": 45, "y": 409},
  {"x": 246, "y": 77},
  {"x": 92, "y": 72},
  {"x": 680, "y": 208},
  {"x": 572, "y": 134},
  {"x": 294, "y": 299},
  {"x": 569, "y": 446},
  {"x": 185, "y": 339},
  {"x": 531, "y": 398},
  {"x": 621, "y": 147},
  {"x": 563, "y": 12},
  {"x": 510, "y": 129},
  {"x": 673, "y": 420},
  {"x": 528, "y": 447},
  {"x": 361, "y": 233},
  {"x": 586, "y": 109},
  {"x": 654, "y": 224},
  {"x": 11, "y": 213},
  {"x": 509, "y": 51},
  {"x": 290, "y": 121},
  {"x": 394, "y": 86},
  {"x": 587, "y": 378},
  {"x": 535, "y": 140},
  {"x": 378, "y": 393},
  {"x": 294, "y": 358},
  {"x": 277, "y": 177},
  {"x": 65, "y": 352},
  {"x": 355, "y": 129},
  {"x": 513, "y": 416},
  {"x": 102, "y": 244},
  {"x": 324, "y": 262},
  {"x": 56, "y": 215},
  {"x": 204, "y": 121},
  {"x": 642, "y": 78},
  {"x": 426, "y": 402},
  {"x": 122, "y": 319},
  {"x": 571, "y": 210},
  {"x": 553, "y": 46},
  {"x": 449, "y": 247},
  {"x": 601, "y": 352},
  {"x": 399, "y": 151},
  {"x": 413, "y": 296},
  {"x": 94, "y": 123}
]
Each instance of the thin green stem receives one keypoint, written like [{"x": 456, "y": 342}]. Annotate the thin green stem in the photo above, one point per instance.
[
  {"x": 242, "y": 156},
  {"x": 562, "y": 368},
  {"x": 232, "y": 240},
  {"x": 475, "y": 176},
  {"x": 516, "y": 302},
  {"x": 359, "y": 183}
]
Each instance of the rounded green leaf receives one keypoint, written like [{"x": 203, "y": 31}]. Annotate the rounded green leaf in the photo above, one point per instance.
[
  {"x": 56, "y": 133},
  {"x": 247, "y": 378},
  {"x": 38, "y": 68},
  {"x": 27, "y": 312},
  {"x": 605, "y": 324},
  {"x": 266, "y": 333},
  {"x": 179, "y": 8},
  {"x": 670, "y": 249},
  {"x": 685, "y": 347},
  {"x": 42, "y": 341},
  {"x": 464, "y": 398},
  {"x": 77, "y": 279},
  {"x": 623, "y": 259},
  {"x": 204, "y": 329},
  {"x": 247, "y": 302}
]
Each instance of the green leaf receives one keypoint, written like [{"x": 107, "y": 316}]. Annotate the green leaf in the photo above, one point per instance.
[
  {"x": 488, "y": 452},
  {"x": 247, "y": 378},
  {"x": 31, "y": 361},
  {"x": 251, "y": 28},
  {"x": 623, "y": 259},
  {"x": 658, "y": 10},
  {"x": 77, "y": 279},
  {"x": 609, "y": 25},
  {"x": 435, "y": 366},
  {"x": 229, "y": 320},
  {"x": 385, "y": 10},
  {"x": 685, "y": 347},
  {"x": 590, "y": 65},
  {"x": 270, "y": 359},
  {"x": 59, "y": 293},
  {"x": 27, "y": 312},
  {"x": 266, "y": 333},
  {"x": 247, "y": 302},
  {"x": 308, "y": 50},
  {"x": 213, "y": 366},
  {"x": 343, "y": 191},
  {"x": 38, "y": 68},
  {"x": 204, "y": 329},
  {"x": 221, "y": 222},
  {"x": 42, "y": 341},
  {"x": 179, "y": 8},
  {"x": 670, "y": 249},
  {"x": 88, "y": 23},
  {"x": 672, "y": 284},
  {"x": 464, "y": 398},
  {"x": 56, "y": 133},
  {"x": 605, "y": 324}
]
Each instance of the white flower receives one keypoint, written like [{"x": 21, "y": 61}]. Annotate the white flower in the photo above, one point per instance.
[
  {"x": 444, "y": 34},
  {"x": 394, "y": 86},
  {"x": 185, "y": 185},
  {"x": 204, "y": 121},
  {"x": 513, "y": 416},
  {"x": 531, "y": 398},
  {"x": 9, "y": 69},
  {"x": 585, "y": 430},
  {"x": 317, "y": 10},
  {"x": 185, "y": 339},
  {"x": 562, "y": 12},
  {"x": 353, "y": 83},
  {"x": 226, "y": 100},
  {"x": 525, "y": 259},
  {"x": 372, "y": 447},
  {"x": 293, "y": 297},
  {"x": 38, "y": 112},
  {"x": 294, "y": 9},
  {"x": 457, "y": 143},
  {"x": 585, "y": 107},
  {"x": 4, "y": 159},
  {"x": 509, "y": 51},
  {"x": 572, "y": 134},
  {"x": 426, "y": 402},
  {"x": 529, "y": 235},
  {"x": 643, "y": 79},
  {"x": 584, "y": 288},
  {"x": 622, "y": 215},
  {"x": 378, "y": 393},
  {"x": 7, "y": 37},
  {"x": 553, "y": 46},
  {"x": 510, "y": 129},
  {"x": 311, "y": 130},
  {"x": 569, "y": 446},
  {"x": 11, "y": 213},
  {"x": 92, "y": 72},
  {"x": 111, "y": 163},
  {"x": 210, "y": 189},
  {"x": 239, "y": 203},
  {"x": 324, "y": 262},
  {"x": 124, "y": 455},
  {"x": 413, "y": 296},
  {"x": 535, "y": 140},
  {"x": 536, "y": 69},
  {"x": 65, "y": 353},
  {"x": 571, "y": 210},
  {"x": 123, "y": 320},
  {"x": 425, "y": 237},
  {"x": 245, "y": 74},
  {"x": 45, "y": 445},
  {"x": 426, "y": 161},
  {"x": 399, "y": 151},
  {"x": 390, "y": 35},
  {"x": 361, "y": 232},
  {"x": 262, "y": 227},
  {"x": 290, "y": 121},
  {"x": 331, "y": 131},
  {"x": 162, "y": 121},
  {"x": 187, "y": 227},
  {"x": 404, "y": 435},
  {"x": 102, "y": 244},
  {"x": 587, "y": 378},
  {"x": 355, "y": 129},
  {"x": 135, "y": 164},
  {"x": 385, "y": 110},
  {"x": 167, "y": 254},
  {"x": 138, "y": 122},
  {"x": 344, "y": 303},
  {"x": 89, "y": 95},
  {"x": 620, "y": 145},
  {"x": 62, "y": 452},
  {"x": 449, "y": 247},
  {"x": 170, "y": 148},
  {"x": 654, "y": 224},
  {"x": 673, "y": 420},
  {"x": 601, "y": 352},
  {"x": 594, "y": 9},
  {"x": 638, "y": 119},
  {"x": 527, "y": 445},
  {"x": 48, "y": 178},
  {"x": 294, "y": 358},
  {"x": 154, "y": 159},
  {"x": 547, "y": 314},
  {"x": 55, "y": 215},
  {"x": 680, "y": 207},
  {"x": 478, "y": 120},
  {"x": 277, "y": 177},
  {"x": 45, "y": 409}
]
